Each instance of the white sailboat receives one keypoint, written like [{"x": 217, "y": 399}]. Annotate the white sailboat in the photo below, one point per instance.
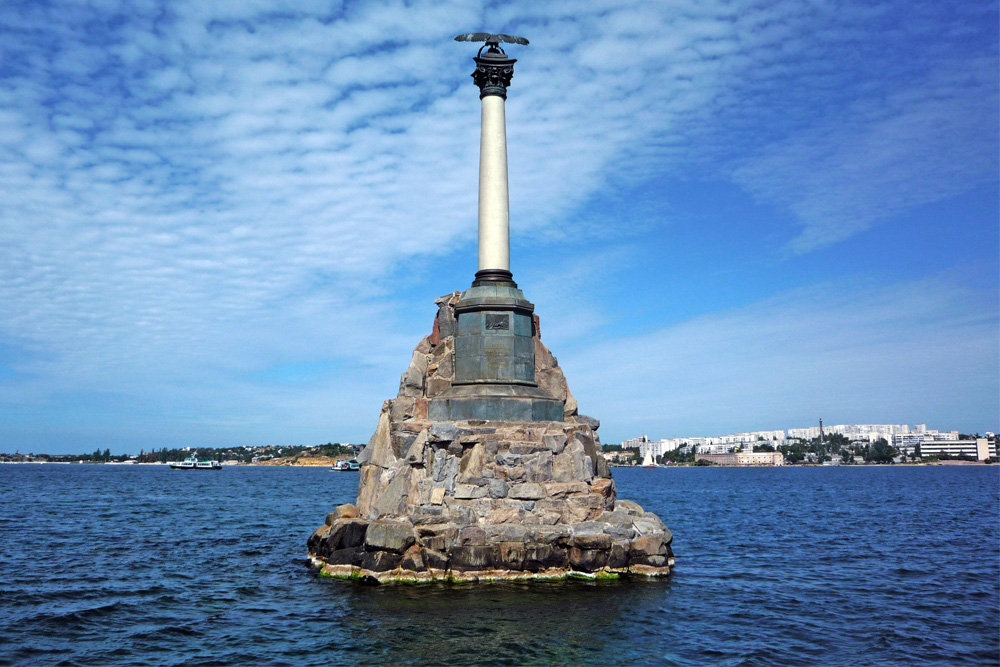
[{"x": 648, "y": 462}]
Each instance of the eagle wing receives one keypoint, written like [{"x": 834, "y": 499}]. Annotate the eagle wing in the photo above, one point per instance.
[
  {"x": 511, "y": 39},
  {"x": 473, "y": 37}
]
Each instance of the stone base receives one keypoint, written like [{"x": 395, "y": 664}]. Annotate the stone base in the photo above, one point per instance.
[
  {"x": 495, "y": 402},
  {"x": 475, "y": 501},
  {"x": 468, "y": 481}
]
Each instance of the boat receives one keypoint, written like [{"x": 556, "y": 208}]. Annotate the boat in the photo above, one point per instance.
[
  {"x": 648, "y": 462},
  {"x": 345, "y": 465},
  {"x": 192, "y": 463}
]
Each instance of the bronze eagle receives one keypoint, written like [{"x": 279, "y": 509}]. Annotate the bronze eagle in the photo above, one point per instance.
[{"x": 490, "y": 38}]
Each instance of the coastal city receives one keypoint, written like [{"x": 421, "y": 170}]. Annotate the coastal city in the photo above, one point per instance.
[
  {"x": 841, "y": 444},
  {"x": 829, "y": 445}
]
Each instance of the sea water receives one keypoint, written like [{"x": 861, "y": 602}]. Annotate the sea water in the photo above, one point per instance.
[{"x": 123, "y": 565}]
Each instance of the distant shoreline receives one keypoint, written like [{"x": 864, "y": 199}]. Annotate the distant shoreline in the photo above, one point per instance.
[{"x": 315, "y": 463}]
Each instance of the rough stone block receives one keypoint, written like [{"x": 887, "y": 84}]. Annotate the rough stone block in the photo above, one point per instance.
[
  {"x": 413, "y": 559},
  {"x": 471, "y": 557},
  {"x": 550, "y": 534},
  {"x": 648, "y": 545},
  {"x": 392, "y": 501},
  {"x": 498, "y": 488},
  {"x": 379, "y": 449},
  {"x": 587, "y": 560},
  {"x": 471, "y": 536},
  {"x": 513, "y": 473},
  {"x": 318, "y": 536},
  {"x": 352, "y": 556},
  {"x": 505, "y": 532},
  {"x": 437, "y": 495},
  {"x": 381, "y": 561},
  {"x": 591, "y": 537},
  {"x": 542, "y": 518},
  {"x": 654, "y": 561},
  {"x": 573, "y": 464},
  {"x": 629, "y": 507},
  {"x": 526, "y": 491},
  {"x": 538, "y": 467},
  {"x": 541, "y": 557},
  {"x": 445, "y": 432},
  {"x": 402, "y": 408},
  {"x": 346, "y": 533},
  {"x": 618, "y": 524},
  {"x": 649, "y": 524},
  {"x": 347, "y": 511},
  {"x": 437, "y": 536},
  {"x": 472, "y": 462},
  {"x": 605, "y": 488},
  {"x": 435, "y": 559},
  {"x": 427, "y": 514},
  {"x": 390, "y": 535},
  {"x": 508, "y": 459},
  {"x": 565, "y": 489},
  {"x": 509, "y": 556},
  {"x": 581, "y": 508},
  {"x": 414, "y": 452},
  {"x": 555, "y": 442},
  {"x": 618, "y": 555},
  {"x": 469, "y": 491}
]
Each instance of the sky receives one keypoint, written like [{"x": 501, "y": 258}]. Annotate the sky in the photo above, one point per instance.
[{"x": 225, "y": 223}]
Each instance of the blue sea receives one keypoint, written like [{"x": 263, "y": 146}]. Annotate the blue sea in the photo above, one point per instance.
[{"x": 118, "y": 565}]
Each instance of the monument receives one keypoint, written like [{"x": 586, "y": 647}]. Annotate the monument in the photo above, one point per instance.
[{"x": 482, "y": 468}]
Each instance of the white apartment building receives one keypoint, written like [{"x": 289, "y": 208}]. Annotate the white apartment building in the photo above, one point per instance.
[
  {"x": 856, "y": 432},
  {"x": 745, "y": 458},
  {"x": 654, "y": 447},
  {"x": 633, "y": 443},
  {"x": 979, "y": 448},
  {"x": 705, "y": 445},
  {"x": 934, "y": 442}
]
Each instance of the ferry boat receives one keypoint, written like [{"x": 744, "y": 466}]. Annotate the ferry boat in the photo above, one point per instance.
[
  {"x": 192, "y": 463},
  {"x": 345, "y": 465}
]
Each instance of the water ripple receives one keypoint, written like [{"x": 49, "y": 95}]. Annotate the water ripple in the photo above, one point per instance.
[{"x": 109, "y": 565}]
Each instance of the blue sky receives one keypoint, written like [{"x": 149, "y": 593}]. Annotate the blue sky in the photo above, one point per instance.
[{"x": 225, "y": 223}]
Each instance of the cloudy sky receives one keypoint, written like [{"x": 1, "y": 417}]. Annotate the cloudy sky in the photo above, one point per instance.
[{"x": 226, "y": 222}]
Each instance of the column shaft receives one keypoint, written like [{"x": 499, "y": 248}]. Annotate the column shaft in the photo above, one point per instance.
[{"x": 494, "y": 205}]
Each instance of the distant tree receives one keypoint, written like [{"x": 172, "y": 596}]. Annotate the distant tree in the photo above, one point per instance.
[
  {"x": 764, "y": 447},
  {"x": 846, "y": 456},
  {"x": 882, "y": 452},
  {"x": 916, "y": 451}
]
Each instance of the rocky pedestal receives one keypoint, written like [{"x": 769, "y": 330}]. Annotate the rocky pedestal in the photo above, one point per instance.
[{"x": 485, "y": 500}]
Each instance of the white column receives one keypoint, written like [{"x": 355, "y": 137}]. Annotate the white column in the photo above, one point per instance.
[{"x": 494, "y": 205}]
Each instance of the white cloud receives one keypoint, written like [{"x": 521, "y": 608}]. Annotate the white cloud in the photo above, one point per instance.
[
  {"x": 845, "y": 351},
  {"x": 221, "y": 188},
  {"x": 917, "y": 145}
]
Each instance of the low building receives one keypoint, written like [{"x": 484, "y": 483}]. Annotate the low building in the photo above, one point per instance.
[
  {"x": 744, "y": 458},
  {"x": 979, "y": 448}
]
